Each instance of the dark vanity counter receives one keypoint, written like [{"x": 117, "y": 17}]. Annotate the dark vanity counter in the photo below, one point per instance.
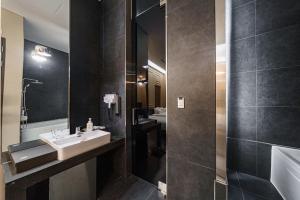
[{"x": 21, "y": 181}]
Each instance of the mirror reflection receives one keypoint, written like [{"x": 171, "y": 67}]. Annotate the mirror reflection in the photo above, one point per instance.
[
  {"x": 149, "y": 150},
  {"x": 35, "y": 69}
]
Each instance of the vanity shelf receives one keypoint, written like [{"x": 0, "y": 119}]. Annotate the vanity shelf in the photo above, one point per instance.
[{"x": 17, "y": 184}]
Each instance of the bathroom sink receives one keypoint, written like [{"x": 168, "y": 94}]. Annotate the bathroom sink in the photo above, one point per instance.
[{"x": 68, "y": 146}]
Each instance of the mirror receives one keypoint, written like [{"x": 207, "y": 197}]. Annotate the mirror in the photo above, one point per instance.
[
  {"x": 34, "y": 69},
  {"x": 149, "y": 150}
]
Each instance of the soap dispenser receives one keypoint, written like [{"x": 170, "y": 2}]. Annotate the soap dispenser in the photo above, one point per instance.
[{"x": 89, "y": 125}]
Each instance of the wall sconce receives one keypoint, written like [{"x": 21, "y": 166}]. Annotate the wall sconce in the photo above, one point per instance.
[
  {"x": 40, "y": 53},
  {"x": 141, "y": 80}
]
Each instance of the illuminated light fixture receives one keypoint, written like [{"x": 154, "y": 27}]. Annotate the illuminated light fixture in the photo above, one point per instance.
[
  {"x": 37, "y": 57},
  {"x": 155, "y": 66},
  {"x": 145, "y": 66},
  {"x": 142, "y": 82},
  {"x": 40, "y": 53}
]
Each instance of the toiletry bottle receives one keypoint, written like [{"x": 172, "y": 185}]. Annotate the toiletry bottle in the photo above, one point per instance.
[{"x": 89, "y": 125}]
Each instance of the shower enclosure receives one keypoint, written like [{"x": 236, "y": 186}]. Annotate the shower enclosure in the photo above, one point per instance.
[{"x": 26, "y": 82}]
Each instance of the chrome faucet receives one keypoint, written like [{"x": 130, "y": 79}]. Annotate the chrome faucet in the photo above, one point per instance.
[{"x": 78, "y": 132}]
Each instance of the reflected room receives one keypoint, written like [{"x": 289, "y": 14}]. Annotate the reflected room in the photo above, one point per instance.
[{"x": 149, "y": 135}]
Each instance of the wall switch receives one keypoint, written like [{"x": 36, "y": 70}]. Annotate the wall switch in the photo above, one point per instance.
[{"x": 180, "y": 102}]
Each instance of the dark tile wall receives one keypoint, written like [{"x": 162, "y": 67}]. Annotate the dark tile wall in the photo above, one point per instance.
[
  {"x": 100, "y": 57},
  {"x": 85, "y": 62},
  {"x": 113, "y": 67},
  {"x": 48, "y": 101},
  {"x": 265, "y": 82},
  {"x": 117, "y": 68},
  {"x": 191, "y": 74}
]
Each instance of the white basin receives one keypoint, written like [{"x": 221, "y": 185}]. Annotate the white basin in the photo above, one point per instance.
[{"x": 68, "y": 146}]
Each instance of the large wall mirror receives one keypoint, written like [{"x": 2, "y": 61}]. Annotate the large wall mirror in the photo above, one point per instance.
[
  {"x": 34, "y": 69},
  {"x": 149, "y": 149}
]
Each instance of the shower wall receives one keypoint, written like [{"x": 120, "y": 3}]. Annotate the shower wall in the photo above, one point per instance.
[
  {"x": 264, "y": 98},
  {"x": 48, "y": 101}
]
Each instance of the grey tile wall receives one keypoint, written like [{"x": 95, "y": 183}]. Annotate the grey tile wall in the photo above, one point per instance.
[
  {"x": 275, "y": 15},
  {"x": 189, "y": 181},
  {"x": 243, "y": 55},
  {"x": 191, "y": 74},
  {"x": 242, "y": 122},
  {"x": 100, "y": 54},
  {"x": 278, "y": 48},
  {"x": 113, "y": 67},
  {"x": 264, "y": 89},
  {"x": 116, "y": 53},
  {"x": 243, "y": 21},
  {"x": 242, "y": 155},
  {"x": 243, "y": 89}
]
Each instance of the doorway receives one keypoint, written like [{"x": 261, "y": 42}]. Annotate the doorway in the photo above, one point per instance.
[{"x": 149, "y": 129}]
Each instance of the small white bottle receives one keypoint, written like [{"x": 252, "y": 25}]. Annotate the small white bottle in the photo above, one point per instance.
[{"x": 89, "y": 125}]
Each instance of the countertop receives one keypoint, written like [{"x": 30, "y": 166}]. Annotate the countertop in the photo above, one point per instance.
[{"x": 37, "y": 174}]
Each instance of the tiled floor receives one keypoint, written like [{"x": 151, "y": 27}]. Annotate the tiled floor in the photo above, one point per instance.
[
  {"x": 245, "y": 187},
  {"x": 142, "y": 190},
  {"x": 133, "y": 188},
  {"x": 152, "y": 169}
]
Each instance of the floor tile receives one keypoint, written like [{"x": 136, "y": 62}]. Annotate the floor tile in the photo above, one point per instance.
[
  {"x": 258, "y": 186},
  {"x": 246, "y": 187},
  {"x": 156, "y": 195},
  {"x": 250, "y": 196},
  {"x": 140, "y": 190}
]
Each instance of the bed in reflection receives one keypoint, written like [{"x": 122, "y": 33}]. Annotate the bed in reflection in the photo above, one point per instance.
[{"x": 160, "y": 116}]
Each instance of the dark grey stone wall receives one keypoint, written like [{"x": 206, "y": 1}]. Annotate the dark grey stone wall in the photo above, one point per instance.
[
  {"x": 265, "y": 82},
  {"x": 113, "y": 67},
  {"x": 191, "y": 137}
]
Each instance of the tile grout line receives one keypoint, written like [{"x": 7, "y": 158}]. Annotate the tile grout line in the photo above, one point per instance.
[
  {"x": 267, "y": 32},
  {"x": 256, "y": 95},
  {"x": 261, "y": 142},
  {"x": 240, "y": 186},
  {"x": 262, "y": 106},
  {"x": 243, "y": 4},
  {"x": 149, "y": 195},
  {"x": 266, "y": 69}
]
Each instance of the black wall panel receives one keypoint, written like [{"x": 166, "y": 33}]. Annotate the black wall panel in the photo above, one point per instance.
[
  {"x": 49, "y": 100},
  {"x": 85, "y": 62}
]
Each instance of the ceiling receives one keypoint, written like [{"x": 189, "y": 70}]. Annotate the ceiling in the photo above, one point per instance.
[{"x": 45, "y": 21}]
